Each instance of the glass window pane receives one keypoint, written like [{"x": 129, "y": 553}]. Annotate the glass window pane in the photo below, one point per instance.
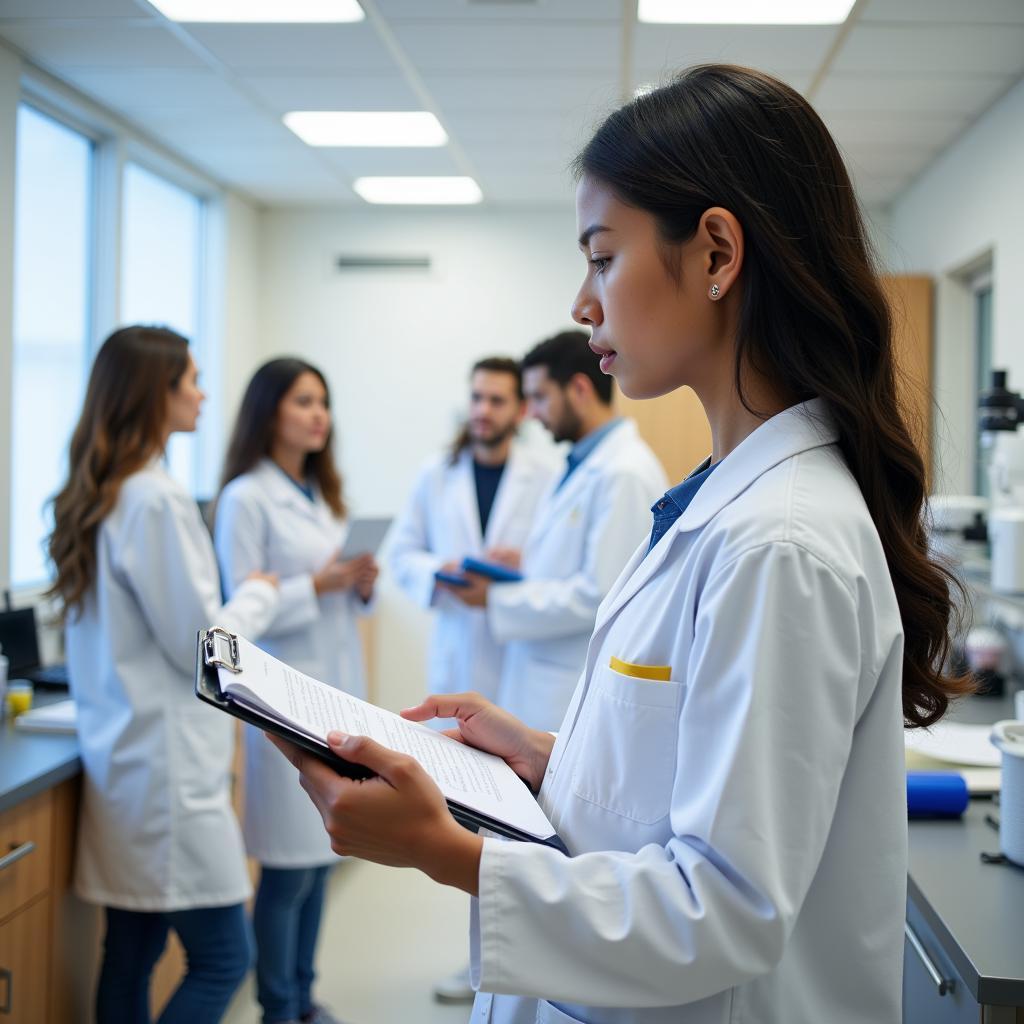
[
  {"x": 51, "y": 317},
  {"x": 160, "y": 247}
]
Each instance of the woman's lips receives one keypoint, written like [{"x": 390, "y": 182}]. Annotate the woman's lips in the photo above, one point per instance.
[{"x": 607, "y": 355}]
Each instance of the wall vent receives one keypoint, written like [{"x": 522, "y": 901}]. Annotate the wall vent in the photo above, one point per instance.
[{"x": 346, "y": 262}]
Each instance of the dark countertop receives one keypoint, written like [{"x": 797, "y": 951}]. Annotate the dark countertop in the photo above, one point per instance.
[
  {"x": 31, "y": 763},
  {"x": 973, "y": 908}
]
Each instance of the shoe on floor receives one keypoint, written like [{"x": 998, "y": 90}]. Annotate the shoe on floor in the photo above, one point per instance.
[
  {"x": 455, "y": 988},
  {"x": 320, "y": 1015}
]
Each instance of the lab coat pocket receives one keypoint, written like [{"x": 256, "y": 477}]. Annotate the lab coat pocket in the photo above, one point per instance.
[
  {"x": 548, "y": 1013},
  {"x": 629, "y": 733}
]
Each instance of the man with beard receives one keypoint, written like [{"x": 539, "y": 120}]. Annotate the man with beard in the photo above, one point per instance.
[
  {"x": 477, "y": 499},
  {"x": 585, "y": 531}
]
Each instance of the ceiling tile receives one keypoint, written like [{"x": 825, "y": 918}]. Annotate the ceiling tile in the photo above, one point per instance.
[
  {"x": 908, "y": 93},
  {"x": 99, "y": 44},
  {"x": 303, "y": 48},
  {"x": 138, "y": 91},
  {"x": 71, "y": 9},
  {"x": 515, "y": 91},
  {"x": 192, "y": 129},
  {"x": 539, "y": 10},
  {"x": 355, "y": 163},
  {"x": 662, "y": 50},
  {"x": 880, "y": 130},
  {"x": 377, "y": 91},
  {"x": 528, "y": 188},
  {"x": 513, "y": 46},
  {"x": 961, "y": 49},
  {"x": 1005, "y": 12}
]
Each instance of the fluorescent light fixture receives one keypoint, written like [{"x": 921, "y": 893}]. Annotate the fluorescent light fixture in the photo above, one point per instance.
[
  {"x": 258, "y": 11},
  {"x": 418, "y": 191},
  {"x": 744, "y": 12},
  {"x": 366, "y": 128}
]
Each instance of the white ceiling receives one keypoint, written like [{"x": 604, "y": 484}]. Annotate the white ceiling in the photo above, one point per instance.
[{"x": 516, "y": 84}]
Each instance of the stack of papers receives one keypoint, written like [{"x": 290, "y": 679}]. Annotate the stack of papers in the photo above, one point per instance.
[
  {"x": 307, "y": 707},
  {"x": 61, "y": 717},
  {"x": 954, "y": 746}
]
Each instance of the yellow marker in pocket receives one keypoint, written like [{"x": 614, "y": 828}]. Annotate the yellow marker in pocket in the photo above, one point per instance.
[{"x": 659, "y": 673}]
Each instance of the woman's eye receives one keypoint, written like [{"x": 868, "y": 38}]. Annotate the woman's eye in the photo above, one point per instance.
[{"x": 598, "y": 263}]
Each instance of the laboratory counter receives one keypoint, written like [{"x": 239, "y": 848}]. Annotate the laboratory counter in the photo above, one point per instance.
[
  {"x": 31, "y": 763},
  {"x": 965, "y": 915}
]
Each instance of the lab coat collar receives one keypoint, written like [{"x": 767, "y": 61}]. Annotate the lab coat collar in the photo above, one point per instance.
[
  {"x": 594, "y": 464},
  {"x": 283, "y": 491},
  {"x": 795, "y": 430}
]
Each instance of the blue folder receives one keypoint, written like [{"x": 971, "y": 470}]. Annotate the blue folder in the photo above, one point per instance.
[{"x": 497, "y": 573}]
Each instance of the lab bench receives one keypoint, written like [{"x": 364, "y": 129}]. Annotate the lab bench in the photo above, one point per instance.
[{"x": 964, "y": 955}]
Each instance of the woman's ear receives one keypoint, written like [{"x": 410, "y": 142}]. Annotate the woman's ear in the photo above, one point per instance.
[{"x": 722, "y": 241}]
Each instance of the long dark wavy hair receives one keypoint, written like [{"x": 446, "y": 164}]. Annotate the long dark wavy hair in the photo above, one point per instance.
[
  {"x": 813, "y": 319},
  {"x": 121, "y": 427},
  {"x": 253, "y": 435}
]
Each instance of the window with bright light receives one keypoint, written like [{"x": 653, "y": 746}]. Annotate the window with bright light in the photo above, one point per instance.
[
  {"x": 160, "y": 276},
  {"x": 52, "y": 245}
]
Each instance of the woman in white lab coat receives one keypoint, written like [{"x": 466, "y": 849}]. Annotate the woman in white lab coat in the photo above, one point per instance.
[
  {"x": 159, "y": 845},
  {"x": 729, "y": 776},
  {"x": 281, "y": 511}
]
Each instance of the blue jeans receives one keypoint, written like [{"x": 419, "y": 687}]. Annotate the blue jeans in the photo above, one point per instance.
[
  {"x": 286, "y": 920},
  {"x": 217, "y": 950}
]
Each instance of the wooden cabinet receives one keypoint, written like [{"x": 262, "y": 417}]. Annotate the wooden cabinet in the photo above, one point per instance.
[
  {"x": 25, "y": 963},
  {"x": 26, "y": 910}
]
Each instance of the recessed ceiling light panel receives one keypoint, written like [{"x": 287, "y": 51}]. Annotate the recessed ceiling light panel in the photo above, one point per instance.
[
  {"x": 419, "y": 191},
  {"x": 260, "y": 11},
  {"x": 366, "y": 128},
  {"x": 744, "y": 12}
]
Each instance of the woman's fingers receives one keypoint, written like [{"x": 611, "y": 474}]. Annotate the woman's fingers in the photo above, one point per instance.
[
  {"x": 446, "y": 705},
  {"x": 390, "y": 765}
]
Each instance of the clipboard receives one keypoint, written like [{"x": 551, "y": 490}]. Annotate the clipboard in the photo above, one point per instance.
[
  {"x": 364, "y": 537},
  {"x": 216, "y": 648}
]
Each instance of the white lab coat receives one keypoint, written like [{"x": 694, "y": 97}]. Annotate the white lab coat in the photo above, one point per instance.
[
  {"x": 738, "y": 832},
  {"x": 265, "y": 523},
  {"x": 582, "y": 535},
  {"x": 157, "y": 830},
  {"x": 441, "y": 523}
]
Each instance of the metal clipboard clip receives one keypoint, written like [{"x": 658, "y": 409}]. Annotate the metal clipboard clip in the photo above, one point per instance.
[{"x": 221, "y": 648}]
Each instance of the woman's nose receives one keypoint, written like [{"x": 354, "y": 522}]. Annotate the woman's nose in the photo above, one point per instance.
[{"x": 585, "y": 309}]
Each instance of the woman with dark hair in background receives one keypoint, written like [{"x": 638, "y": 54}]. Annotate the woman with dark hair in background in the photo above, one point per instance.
[
  {"x": 281, "y": 510},
  {"x": 729, "y": 777},
  {"x": 159, "y": 845}
]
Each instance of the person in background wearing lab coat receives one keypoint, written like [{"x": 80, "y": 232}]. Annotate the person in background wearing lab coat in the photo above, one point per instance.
[
  {"x": 477, "y": 499},
  {"x": 585, "y": 529},
  {"x": 159, "y": 846},
  {"x": 281, "y": 510},
  {"x": 729, "y": 778}
]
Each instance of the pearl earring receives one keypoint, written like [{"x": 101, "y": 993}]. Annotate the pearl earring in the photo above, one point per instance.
[{"x": 715, "y": 291}]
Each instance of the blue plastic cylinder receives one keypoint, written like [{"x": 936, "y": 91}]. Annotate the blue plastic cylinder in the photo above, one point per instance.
[{"x": 936, "y": 794}]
